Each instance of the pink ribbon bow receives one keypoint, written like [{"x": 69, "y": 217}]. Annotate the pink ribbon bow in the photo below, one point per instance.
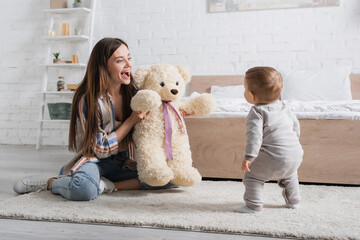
[{"x": 168, "y": 128}]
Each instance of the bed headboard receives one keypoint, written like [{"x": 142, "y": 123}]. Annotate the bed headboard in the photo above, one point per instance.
[
  {"x": 203, "y": 84},
  {"x": 355, "y": 85}
]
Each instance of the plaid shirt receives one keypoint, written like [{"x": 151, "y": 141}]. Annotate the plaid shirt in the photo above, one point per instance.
[{"x": 106, "y": 138}]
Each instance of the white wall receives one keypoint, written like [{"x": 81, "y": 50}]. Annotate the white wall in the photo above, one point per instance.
[{"x": 172, "y": 31}]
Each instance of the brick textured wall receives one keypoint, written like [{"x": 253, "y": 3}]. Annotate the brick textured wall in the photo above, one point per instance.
[{"x": 171, "y": 31}]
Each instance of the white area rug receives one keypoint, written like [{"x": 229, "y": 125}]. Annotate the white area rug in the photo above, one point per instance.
[{"x": 326, "y": 212}]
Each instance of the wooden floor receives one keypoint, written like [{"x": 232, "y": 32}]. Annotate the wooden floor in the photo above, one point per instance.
[{"x": 16, "y": 161}]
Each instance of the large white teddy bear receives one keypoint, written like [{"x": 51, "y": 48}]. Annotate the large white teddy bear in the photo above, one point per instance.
[{"x": 162, "y": 149}]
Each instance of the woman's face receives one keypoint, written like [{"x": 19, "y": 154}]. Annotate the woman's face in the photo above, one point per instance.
[{"x": 119, "y": 66}]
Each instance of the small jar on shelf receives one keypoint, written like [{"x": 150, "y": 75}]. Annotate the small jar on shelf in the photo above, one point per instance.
[{"x": 60, "y": 84}]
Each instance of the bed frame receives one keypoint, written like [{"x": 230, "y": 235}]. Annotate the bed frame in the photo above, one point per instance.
[{"x": 331, "y": 147}]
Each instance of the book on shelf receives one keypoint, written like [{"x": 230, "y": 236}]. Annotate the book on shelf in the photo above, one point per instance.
[
  {"x": 62, "y": 62},
  {"x": 71, "y": 87}
]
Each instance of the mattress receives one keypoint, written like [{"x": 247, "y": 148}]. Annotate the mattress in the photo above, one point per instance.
[{"x": 233, "y": 108}]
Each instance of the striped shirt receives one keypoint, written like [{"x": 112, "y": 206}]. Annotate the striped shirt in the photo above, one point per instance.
[{"x": 106, "y": 139}]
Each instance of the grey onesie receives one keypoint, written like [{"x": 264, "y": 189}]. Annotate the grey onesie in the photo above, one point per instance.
[{"x": 272, "y": 143}]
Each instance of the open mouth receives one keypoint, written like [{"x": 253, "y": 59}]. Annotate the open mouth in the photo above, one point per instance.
[{"x": 125, "y": 74}]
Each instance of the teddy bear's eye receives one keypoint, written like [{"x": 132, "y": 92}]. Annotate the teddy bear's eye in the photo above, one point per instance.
[
  {"x": 162, "y": 84},
  {"x": 177, "y": 83}
]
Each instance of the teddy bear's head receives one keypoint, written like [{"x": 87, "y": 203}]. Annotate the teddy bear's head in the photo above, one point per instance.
[{"x": 167, "y": 80}]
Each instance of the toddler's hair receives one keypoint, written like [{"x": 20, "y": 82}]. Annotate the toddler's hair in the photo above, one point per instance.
[{"x": 265, "y": 83}]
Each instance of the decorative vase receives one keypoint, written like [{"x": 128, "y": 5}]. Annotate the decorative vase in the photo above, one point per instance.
[
  {"x": 77, "y": 4},
  {"x": 56, "y": 60},
  {"x": 77, "y": 31}
]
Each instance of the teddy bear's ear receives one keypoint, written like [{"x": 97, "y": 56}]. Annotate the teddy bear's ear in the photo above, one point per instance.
[
  {"x": 184, "y": 73},
  {"x": 140, "y": 75}
]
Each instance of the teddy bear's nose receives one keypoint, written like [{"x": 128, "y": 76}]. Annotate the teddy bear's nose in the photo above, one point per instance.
[{"x": 174, "y": 91}]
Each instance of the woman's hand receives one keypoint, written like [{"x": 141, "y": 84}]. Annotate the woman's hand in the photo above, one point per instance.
[
  {"x": 184, "y": 114},
  {"x": 245, "y": 166},
  {"x": 130, "y": 164},
  {"x": 137, "y": 116},
  {"x": 129, "y": 123}
]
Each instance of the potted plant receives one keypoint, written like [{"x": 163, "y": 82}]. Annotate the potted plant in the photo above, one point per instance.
[
  {"x": 77, "y": 3},
  {"x": 56, "y": 59}
]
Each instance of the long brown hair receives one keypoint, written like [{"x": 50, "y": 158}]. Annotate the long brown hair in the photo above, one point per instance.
[
  {"x": 265, "y": 83},
  {"x": 93, "y": 85}
]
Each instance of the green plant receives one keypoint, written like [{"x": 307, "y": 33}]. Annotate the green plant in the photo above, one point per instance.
[
  {"x": 56, "y": 55},
  {"x": 78, "y": 1}
]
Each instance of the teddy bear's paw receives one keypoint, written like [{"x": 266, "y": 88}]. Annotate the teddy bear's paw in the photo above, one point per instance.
[
  {"x": 187, "y": 177},
  {"x": 156, "y": 176},
  {"x": 145, "y": 100},
  {"x": 206, "y": 104},
  {"x": 201, "y": 105}
]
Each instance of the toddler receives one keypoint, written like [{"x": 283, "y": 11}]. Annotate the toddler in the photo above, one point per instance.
[{"x": 273, "y": 150}]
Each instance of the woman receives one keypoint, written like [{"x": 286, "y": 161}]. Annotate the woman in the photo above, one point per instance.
[{"x": 100, "y": 131}]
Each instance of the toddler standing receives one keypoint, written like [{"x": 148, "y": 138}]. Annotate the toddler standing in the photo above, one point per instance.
[{"x": 273, "y": 150}]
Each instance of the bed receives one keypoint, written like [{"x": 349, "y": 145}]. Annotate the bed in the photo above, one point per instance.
[{"x": 331, "y": 146}]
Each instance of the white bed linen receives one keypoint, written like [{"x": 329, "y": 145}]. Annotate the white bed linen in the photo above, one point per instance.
[{"x": 234, "y": 108}]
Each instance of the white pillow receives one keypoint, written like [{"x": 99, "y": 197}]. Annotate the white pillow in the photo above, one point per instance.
[
  {"x": 317, "y": 85},
  {"x": 236, "y": 91}
]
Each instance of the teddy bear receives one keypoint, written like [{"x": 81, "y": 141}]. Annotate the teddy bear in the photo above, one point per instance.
[{"x": 162, "y": 148}]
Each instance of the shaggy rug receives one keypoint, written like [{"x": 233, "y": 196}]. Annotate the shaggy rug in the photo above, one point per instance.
[{"x": 327, "y": 212}]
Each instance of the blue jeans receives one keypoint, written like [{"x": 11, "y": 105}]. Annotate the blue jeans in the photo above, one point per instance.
[{"x": 83, "y": 185}]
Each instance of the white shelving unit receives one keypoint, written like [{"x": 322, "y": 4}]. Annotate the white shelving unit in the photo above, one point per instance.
[
  {"x": 70, "y": 10},
  {"x": 84, "y": 14},
  {"x": 71, "y": 38},
  {"x": 65, "y": 65}
]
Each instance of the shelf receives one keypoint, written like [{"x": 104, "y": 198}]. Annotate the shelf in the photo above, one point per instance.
[
  {"x": 49, "y": 120},
  {"x": 68, "y": 10},
  {"x": 71, "y": 65},
  {"x": 71, "y": 38},
  {"x": 58, "y": 92}
]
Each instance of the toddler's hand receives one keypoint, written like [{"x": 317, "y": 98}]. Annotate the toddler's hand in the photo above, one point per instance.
[{"x": 245, "y": 166}]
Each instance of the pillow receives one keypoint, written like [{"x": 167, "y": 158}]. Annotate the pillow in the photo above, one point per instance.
[
  {"x": 317, "y": 85},
  {"x": 236, "y": 91},
  {"x": 194, "y": 94}
]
